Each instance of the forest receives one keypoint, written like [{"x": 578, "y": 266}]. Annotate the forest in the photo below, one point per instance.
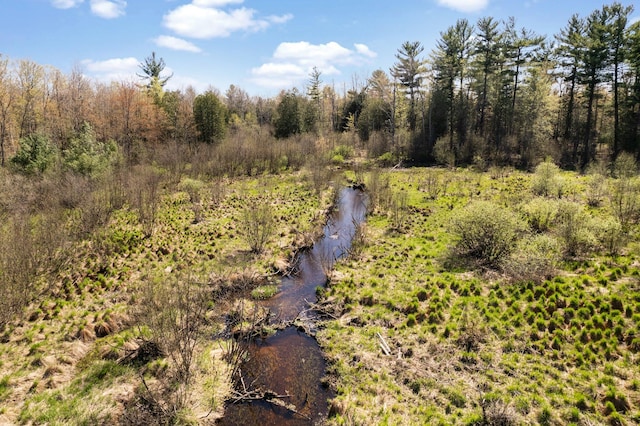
[
  {"x": 141, "y": 226},
  {"x": 490, "y": 91}
]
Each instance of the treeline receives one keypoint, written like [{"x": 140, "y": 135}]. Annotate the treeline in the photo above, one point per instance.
[
  {"x": 510, "y": 95},
  {"x": 489, "y": 93}
]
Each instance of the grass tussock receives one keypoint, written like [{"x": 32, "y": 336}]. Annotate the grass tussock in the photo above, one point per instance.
[{"x": 499, "y": 299}]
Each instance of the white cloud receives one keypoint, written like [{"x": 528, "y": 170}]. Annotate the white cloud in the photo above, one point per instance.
[
  {"x": 203, "y": 22},
  {"x": 363, "y": 49},
  {"x": 274, "y": 19},
  {"x": 205, "y": 19},
  {"x": 292, "y": 62},
  {"x": 176, "y": 43},
  {"x": 65, "y": 4},
  {"x": 216, "y": 3},
  {"x": 128, "y": 70},
  {"x": 178, "y": 82},
  {"x": 309, "y": 54},
  {"x": 464, "y": 5},
  {"x": 116, "y": 69},
  {"x": 274, "y": 69},
  {"x": 274, "y": 75},
  {"x": 108, "y": 9}
]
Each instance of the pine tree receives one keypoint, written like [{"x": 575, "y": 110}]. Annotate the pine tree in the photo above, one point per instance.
[{"x": 409, "y": 71}]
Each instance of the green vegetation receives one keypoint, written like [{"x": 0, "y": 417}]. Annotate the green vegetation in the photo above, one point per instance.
[
  {"x": 264, "y": 292},
  {"x": 139, "y": 291},
  {"x": 138, "y": 222},
  {"x": 542, "y": 336}
]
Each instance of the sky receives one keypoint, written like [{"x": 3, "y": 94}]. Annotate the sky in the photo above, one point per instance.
[{"x": 261, "y": 46}]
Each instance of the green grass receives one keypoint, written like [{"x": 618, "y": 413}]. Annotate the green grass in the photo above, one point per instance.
[
  {"x": 80, "y": 402},
  {"x": 107, "y": 270},
  {"x": 5, "y": 389},
  {"x": 264, "y": 292},
  {"x": 480, "y": 330},
  {"x": 459, "y": 335}
]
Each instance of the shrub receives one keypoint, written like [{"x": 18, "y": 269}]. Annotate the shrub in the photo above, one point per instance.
[
  {"x": 87, "y": 156},
  {"x": 193, "y": 187},
  {"x": 264, "y": 292},
  {"x": 547, "y": 180},
  {"x": 625, "y": 166},
  {"x": 611, "y": 235},
  {"x": 625, "y": 199},
  {"x": 574, "y": 228},
  {"x": 540, "y": 213},
  {"x": 496, "y": 412},
  {"x": 398, "y": 210},
  {"x": 174, "y": 312},
  {"x": 257, "y": 224},
  {"x": 35, "y": 154},
  {"x": 342, "y": 151},
  {"x": 534, "y": 259},
  {"x": 434, "y": 185},
  {"x": 379, "y": 190},
  {"x": 386, "y": 159},
  {"x": 443, "y": 153},
  {"x": 485, "y": 232},
  {"x": 596, "y": 189}
]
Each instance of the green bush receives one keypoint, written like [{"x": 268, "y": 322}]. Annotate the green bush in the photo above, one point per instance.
[
  {"x": 193, "y": 187},
  {"x": 596, "y": 189},
  {"x": 485, "y": 232},
  {"x": 625, "y": 166},
  {"x": 574, "y": 227},
  {"x": 540, "y": 213},
  {"x": 611, "y": 235},
  {"x": 264, "y": 292},
  {"x": 341, "y": 151},
  {"x": 534, "y": 259},
  {"x": 386, "y": 160},
  {"x": 35, "y": 154},
  {"x": 547, "y": 180},
  {"x": 87, "y": 156}
]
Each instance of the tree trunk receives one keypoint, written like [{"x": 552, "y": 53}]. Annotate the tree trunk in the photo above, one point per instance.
[{"x": 586, "y": 153}]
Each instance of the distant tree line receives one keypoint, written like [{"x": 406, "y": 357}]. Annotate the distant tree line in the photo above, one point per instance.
[
  {"x": 508, "y": 95},
  {"x": 489, "y": 93}
]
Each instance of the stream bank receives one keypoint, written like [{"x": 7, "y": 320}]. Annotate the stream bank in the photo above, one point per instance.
[{"x": 288, "y": 366}]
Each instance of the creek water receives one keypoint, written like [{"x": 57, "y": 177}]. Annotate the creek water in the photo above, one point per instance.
[{"x": 291, "y": 362}]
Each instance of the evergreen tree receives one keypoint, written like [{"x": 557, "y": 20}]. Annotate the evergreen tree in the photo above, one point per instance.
[
  {"x": 595, "y": 60},
  {"x": 631, "y": 112},
  {"x": 524, "y": 45},
  {"x": 449, "y": 62},
  {"x": 617, "y": 46},
  {"x": 314, "y": 92},
  {"x": 409, "y": 71},
  {"x": 288, "y": 116},
  {"x": 486, "y": 54},
  {"x": 569, "y": 53},
  {"x": 209, "y": 114},
  {"x": 151, "y": 68}
]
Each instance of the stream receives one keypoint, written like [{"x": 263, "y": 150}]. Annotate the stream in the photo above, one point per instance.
[{"x": 290, "y": 362}]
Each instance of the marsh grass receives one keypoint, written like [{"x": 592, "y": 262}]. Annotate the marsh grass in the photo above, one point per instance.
[
  {"x": 264, "y": 292},
  {"x": 544, "y": 335},
  {"x": 85, "y": 300}
]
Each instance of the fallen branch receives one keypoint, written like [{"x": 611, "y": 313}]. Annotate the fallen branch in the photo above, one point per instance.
[
  {"x": 383, "y": 345},
  {"x": 257, "y": 395},
  {"x": 321, "y": 308}
]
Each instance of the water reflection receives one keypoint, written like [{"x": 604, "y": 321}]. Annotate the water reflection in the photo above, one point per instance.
[{"x": 290, "y": 362}]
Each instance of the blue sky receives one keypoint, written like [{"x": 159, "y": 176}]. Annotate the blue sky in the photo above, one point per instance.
[{"x": 262, "y": 46}]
